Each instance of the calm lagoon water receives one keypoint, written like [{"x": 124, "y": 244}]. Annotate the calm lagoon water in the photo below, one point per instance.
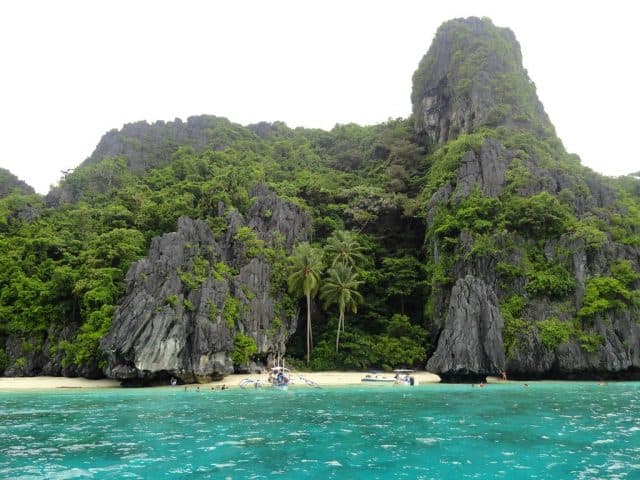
[{"x": 550, "y": 430}]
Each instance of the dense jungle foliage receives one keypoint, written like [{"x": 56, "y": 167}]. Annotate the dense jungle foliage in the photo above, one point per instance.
[
  {"x": 388, "y": 192},
  {"x": 63, "y": 266}
]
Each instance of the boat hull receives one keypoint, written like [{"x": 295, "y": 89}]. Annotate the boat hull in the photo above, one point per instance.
[{"x": 378, "y": 380}]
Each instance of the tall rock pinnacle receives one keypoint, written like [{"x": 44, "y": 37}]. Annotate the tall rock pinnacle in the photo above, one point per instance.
[{"x": 472, "y": 76}]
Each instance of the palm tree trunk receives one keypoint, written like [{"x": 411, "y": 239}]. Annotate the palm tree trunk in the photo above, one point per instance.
[
  {"x": 308, "y": 328},
  {"x": 340, "y": 322}
]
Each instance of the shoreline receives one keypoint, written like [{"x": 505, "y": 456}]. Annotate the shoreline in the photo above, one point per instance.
[
  {"x": 322, "y": 379},
  {"x": 52, "y": 383}
]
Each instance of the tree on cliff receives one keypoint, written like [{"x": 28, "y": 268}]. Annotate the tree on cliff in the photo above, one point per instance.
[
  {"x": 341, "y": 288},
  {"x": 304, "y": 279},
  {"x": 344, "y": 248}
]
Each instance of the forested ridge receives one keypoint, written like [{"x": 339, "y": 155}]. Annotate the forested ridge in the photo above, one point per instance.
[
  {"x": 65, "y": 269},
  {"x": 487, "y": 202}
]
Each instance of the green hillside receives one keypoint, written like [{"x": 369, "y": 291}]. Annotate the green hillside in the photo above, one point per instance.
[{"x": 474, "y": 186}]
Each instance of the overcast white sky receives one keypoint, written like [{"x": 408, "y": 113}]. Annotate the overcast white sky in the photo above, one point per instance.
[{"x": 72, "y": 70}]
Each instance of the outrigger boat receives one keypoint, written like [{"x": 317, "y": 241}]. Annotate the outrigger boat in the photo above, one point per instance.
[
  {"x": 401, "y": 377},
  {"x": 279, "y": 378}
]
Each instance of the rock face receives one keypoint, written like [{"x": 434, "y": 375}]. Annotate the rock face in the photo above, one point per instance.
[
  {"x": 514, "y": 299},
  {"x": 9, "y": 182},
  {"x": 146, "y": 145},
  {"x": 194, "y": 294},
  {"x": 485, "y": 169},
  {"x": 470, "y": 343},
  {"x": 617, "y": 358},
  {"x": 473, "y": 76},
  {"x": 617, "y": 355}
]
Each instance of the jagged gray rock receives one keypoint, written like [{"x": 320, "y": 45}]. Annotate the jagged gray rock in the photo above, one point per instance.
[
  {"x": 484, "y": 170},
  {"x": 10, "y": 183},
  {"x": 459, "y": 84},
  {"x": 470, "y": 344},
  {"x": 146, "y": 145},
  {"x": 460, "y": 87},
  {"x": 618, "y": 357},
  {"x": 184, "y": 304},
  {"x": 276, "y": 221}
]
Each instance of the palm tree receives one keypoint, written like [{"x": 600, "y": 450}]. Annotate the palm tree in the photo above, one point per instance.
[
  {"x": 304, "y": 279},
  {"x": 344, "y": 247},
  {"x": 341, "y": 288}
]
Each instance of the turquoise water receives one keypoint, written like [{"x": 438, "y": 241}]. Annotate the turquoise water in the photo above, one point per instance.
[{"x": 547, "y": 431}]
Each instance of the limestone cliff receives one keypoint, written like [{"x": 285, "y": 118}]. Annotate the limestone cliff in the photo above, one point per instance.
[
  {"x": 527, "y": 269},
  {"x": 9, "y": 182},
  {"x": 473, "y": 76},
  {"x": 471, "y": 340},
  {"x": 194, "y": 294},
  {"x": 144, "y": 146},
  {"x": 477, "y": 225}
]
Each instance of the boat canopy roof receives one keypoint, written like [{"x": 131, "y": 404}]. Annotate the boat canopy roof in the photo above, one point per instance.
[
  {"x": 403, "y": 370},
  {"x": 278, "y": 369}
]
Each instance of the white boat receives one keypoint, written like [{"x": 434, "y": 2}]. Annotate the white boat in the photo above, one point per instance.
[
  {"x": 404, "y": 377},
  {"x": 375, "y": 378},
  {"x": 251, "y": 383},
  {"x": 279, "y": 377}
]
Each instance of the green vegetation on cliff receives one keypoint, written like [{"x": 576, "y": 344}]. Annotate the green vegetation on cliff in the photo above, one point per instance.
[
  {"x": 63, "y": 271},
  {"x": 398, "y": 220}
]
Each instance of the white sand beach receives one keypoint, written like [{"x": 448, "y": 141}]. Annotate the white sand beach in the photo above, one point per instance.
[
  {"x": 44, "y": 383},
  {"x": 325, "y": 379}
]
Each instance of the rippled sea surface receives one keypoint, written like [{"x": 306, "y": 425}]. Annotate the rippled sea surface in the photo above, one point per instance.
[{"x": 548, "y": 430}]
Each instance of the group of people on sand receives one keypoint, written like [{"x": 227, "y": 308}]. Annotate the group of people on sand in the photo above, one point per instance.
[
  {"x": 214, "y": 387},
  {"x": 503, "y": 377},
  {"x": 174, "y": 382}
]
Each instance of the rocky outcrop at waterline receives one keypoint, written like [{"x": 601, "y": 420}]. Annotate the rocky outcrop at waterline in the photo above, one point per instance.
[
  {"x": 471, "y": 338},
  {"x": 195, "y": 294}
]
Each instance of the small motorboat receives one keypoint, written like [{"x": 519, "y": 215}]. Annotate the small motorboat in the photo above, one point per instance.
[
  {"x": 251, "y": 383},
  {"x": 375, "y": 378}
]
